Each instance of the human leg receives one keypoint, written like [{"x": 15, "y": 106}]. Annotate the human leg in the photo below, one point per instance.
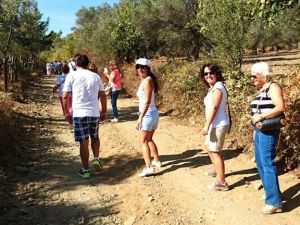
[
  {"x": 219, "y": 166},
  {"x": 267, "y": 148},
  {"x": 214, "y": 143},
  {"x": 95, "y": 144},
  {"x": 81, "y": 134},
  {"x": 114, "y": 98},
  {"x": 144, "y": 139},
  {"x": 84, "y": 153},
  {"x": 258, "y": 156},
  {"x": 62, "y": 107},
  {"x": 152, "y": 146}
]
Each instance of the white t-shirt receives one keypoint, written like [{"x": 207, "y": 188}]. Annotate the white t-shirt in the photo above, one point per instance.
[
  {"x": 222, "y": 116},
  {"x": 85, "y": 86},
  {"x": 60, "y": 80},
  {"x": 142, "y": 98}
]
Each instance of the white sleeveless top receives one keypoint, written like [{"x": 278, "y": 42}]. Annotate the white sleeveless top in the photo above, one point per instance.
[
  {"x": 222, "y": 115},
  {"x": 142, "y": 99}
]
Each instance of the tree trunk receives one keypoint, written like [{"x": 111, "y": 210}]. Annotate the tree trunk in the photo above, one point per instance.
[{"x": 5, "y": 70}]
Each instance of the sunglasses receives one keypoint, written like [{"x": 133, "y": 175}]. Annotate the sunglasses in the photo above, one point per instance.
[
  {"x": 209, "y": 73},
  {"x": 254, "y": 76},
  {"x": 138, "y": 66}
]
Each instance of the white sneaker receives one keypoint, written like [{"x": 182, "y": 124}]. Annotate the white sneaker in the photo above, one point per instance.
[
  {"x": 146, "y": 171},
  {"x": 114, "y": 120},
  {"x": 270, "y": 209},
  {"x": 156, "y": 163}
]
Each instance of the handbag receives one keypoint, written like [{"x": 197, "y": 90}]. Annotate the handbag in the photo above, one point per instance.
[
  {"x": 107, "y": 89},
  {"x": 273, "y": 123}
]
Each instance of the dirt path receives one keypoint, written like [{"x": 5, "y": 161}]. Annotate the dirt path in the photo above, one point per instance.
[{"x": 45, "y": 188}]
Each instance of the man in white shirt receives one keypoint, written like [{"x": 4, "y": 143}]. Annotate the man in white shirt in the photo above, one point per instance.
[{"x": 87, "y": 90}]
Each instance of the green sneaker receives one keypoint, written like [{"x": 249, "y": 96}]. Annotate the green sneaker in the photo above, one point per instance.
[
  {"x": 84, "y": 173},
  {"x": 97, "y": 164}
]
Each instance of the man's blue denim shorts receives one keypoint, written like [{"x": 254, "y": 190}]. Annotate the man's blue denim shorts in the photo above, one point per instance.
[{"x": 85, "y": 127}]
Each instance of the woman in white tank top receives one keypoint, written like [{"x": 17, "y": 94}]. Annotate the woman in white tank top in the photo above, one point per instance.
[{"x": 148, "y": 115}]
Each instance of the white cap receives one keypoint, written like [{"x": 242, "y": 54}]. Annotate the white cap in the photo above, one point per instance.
[
  {"x": 143, "y": 61},
  {"x": 261, "y": 68}
]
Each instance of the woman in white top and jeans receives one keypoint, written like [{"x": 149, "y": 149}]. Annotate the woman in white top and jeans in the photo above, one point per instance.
[
  {"x": 148, "y": 115},
  {"x": 217, "y": 123}
]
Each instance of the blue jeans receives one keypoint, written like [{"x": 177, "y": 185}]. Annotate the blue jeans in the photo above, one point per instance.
[
  {"x": 265, "y": 147},
  {"x": 114, "y": 97}
]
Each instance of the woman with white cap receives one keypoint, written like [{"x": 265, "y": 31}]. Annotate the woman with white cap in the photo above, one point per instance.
[
  {"x": 148, "y": 115},
  {"x": 268, "y": 103}
]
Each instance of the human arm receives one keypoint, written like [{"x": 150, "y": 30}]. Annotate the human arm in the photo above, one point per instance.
[
  {"x": 276, "y": 95},
  {"x": 216, "y": 101},
  {"x": 148, "y": 89},
  {"x": 65, "y": 98},
  {"x": 54, "y": 89},
  {"x": 103, "y": 102},
  {"x": 110, "y": 76}
]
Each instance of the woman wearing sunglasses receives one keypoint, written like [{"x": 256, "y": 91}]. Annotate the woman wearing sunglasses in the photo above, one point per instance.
[
  {"x": 217, "y": 123},
  {"x": 148, "y": 115},
  {"x": 268, "y": 103}
]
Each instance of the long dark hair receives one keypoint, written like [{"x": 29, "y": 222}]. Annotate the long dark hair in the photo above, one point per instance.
[
  {"x": 214, "y": 68},
  {"x": 155, "y": 82}
]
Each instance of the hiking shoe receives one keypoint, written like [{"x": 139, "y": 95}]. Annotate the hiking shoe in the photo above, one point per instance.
[
  {"x": 84, "y": 173},
  {"x": 97, "y": 164},
  {"x": 146, "y": 171},
  {"x": 156, "y": 163},
  {"x": 211, "y": 173},
  {"x": 270, "y": 209},
  {"x": 114, "y": 120},
  {"x": 218, "y": 186}
]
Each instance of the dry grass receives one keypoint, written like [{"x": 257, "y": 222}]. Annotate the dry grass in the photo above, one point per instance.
[{"x": 182, "y": 95}]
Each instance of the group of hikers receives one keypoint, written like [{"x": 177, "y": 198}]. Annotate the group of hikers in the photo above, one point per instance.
[{"x": 81, "y": 91}]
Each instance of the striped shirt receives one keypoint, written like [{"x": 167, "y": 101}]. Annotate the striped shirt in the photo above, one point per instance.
[{"x": 264, "y": 102}]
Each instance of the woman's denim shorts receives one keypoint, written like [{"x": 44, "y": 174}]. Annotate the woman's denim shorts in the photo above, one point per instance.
[{"x": 150, "y": 121}]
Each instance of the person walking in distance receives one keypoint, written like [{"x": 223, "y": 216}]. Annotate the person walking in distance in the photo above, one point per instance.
[
  {"x": 217, "y": 123},
  {"x": 148, "y": 115},
  {"x": 87, "y": 90},
  {"x": 115, "y": 78},
  {"x": 59, "y": 85}
]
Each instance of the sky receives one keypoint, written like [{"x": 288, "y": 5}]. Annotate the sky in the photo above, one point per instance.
[{"x": 61, "y": 13}]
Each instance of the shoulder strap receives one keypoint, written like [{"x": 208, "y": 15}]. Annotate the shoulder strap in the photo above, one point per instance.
[
  {"x": 266, "y": 92},
  {"x": 72, "y": 66},
  {"x": 229, "y": 114},
  {"x": 62, "y": 82},
  {"x": 268, "y": 88}
]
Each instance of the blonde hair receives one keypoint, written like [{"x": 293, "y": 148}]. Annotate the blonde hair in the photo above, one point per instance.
[{"x": 113, "y": 63}]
